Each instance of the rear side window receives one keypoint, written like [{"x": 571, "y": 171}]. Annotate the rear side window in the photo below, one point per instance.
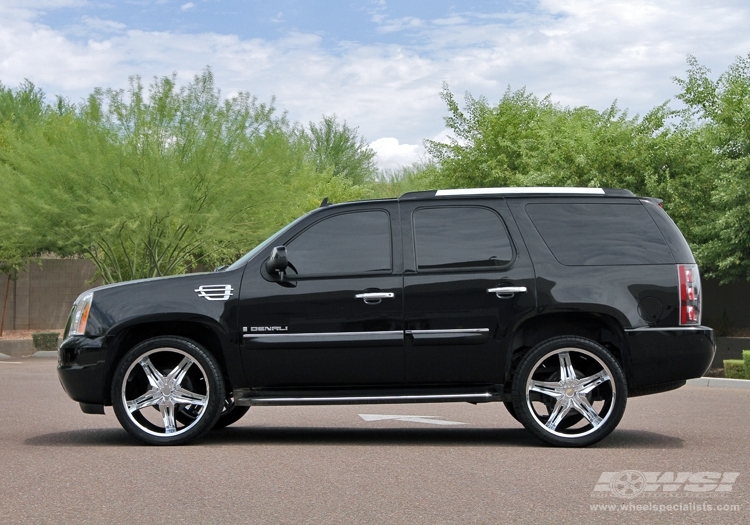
[
  {"x": 459, "y": 237},
  {"x": 600, "y": 234},
  {"x": 348, "y": 243}
]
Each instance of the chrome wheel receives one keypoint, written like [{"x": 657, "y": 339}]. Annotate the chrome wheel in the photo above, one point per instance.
[
  {"x": 160, "y": 378},
  {"x": 569, "y": 391}
]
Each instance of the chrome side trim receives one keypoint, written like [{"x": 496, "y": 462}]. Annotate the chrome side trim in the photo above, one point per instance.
[
  {"x": 668, "y": 329},
  {"x": 364, "y": 399},
  {"x": 450, "y": 331},
  {"x": 324, "y": 334}
]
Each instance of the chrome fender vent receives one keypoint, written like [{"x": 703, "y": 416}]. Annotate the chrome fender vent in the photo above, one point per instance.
[{"x": 215, "y": 292}]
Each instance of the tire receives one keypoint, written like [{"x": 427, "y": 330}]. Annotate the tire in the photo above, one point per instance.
[
  {"x": 167, "y": 374},
  {"x": 230, "y": 413},
  {"x": 569, "y": 392},
  {"x": 511, "y": 410}
]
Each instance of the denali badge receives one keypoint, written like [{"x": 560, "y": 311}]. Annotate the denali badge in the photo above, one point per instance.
[
  {"x": 269, "y": 328},
  {"x": 215, "y": 292}
]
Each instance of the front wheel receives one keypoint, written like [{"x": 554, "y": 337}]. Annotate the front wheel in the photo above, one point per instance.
[
  {"x": 156, "y": 380},
  {"x": 569, "y": 391},
  {"x": 230, "y": 413}
]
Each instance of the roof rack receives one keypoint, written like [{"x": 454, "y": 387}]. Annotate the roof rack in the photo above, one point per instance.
[{"x": 536, "y": 190}]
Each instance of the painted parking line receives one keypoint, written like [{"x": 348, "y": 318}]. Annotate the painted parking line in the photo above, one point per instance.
[
  {"x": 10, "y": 362},
  {"x": 432, "y": 420}
]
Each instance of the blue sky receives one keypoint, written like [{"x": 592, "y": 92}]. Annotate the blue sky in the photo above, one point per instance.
[{"x": 379, "y": 64}]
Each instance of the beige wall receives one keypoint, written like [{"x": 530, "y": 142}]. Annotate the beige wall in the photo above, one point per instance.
[{"x": 41, "y": 297}]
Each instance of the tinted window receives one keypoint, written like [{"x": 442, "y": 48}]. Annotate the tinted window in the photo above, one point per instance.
[
  {"x": 460, "y": 237},
  {"x": 600, "y": 234},
  {"x": 344, "y": 244}
]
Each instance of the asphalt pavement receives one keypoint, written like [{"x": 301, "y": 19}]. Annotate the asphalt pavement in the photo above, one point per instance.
[{"x": 677, "y": 457}]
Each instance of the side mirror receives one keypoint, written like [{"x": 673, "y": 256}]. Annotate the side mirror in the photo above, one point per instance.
[{"x": 277, "y": 262}]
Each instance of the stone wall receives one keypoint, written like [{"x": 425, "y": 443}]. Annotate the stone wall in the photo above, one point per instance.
[{"x": 41, "y": 297}]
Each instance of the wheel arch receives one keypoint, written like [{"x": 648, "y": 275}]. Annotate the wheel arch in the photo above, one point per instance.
[
  {"x": 602, "y": 328},
  {"x": 203, "y": 331}
]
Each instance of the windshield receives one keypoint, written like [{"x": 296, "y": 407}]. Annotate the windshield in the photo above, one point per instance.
[{"x": 252, "y": 253}]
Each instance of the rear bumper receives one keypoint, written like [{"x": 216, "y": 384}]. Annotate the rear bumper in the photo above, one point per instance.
[
  {"x": 81, "y": 369},
  {"x": 666, "y": 355}
]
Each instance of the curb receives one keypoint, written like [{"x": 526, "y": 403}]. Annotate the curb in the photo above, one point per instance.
[
  {"x": 45, "y": 353},
  {"x": 720, "y": 382}
]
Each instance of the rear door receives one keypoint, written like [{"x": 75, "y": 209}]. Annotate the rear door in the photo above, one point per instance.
[{"x": 468, "y": 280}]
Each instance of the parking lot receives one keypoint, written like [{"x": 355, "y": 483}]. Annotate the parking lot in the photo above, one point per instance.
[{"x": 430, "y": 463}]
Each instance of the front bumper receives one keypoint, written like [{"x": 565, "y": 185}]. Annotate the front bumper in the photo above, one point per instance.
[
  {"x": 666, "y": 355},
  {"x": 81, "y": 369}
]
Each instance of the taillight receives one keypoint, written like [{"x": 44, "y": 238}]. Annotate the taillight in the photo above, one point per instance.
[{"x": 690, "y": 294}]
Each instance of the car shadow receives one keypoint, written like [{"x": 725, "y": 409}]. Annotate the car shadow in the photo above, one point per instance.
[{"x": 464, "y": 437}]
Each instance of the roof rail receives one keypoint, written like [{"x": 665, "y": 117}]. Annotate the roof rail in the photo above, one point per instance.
[{"x": 536, "y": 190}]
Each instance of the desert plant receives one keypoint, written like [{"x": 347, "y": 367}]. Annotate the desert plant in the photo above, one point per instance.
[
  {"x": 45, "y": 341},
  {"x": 734, "y": 368}
]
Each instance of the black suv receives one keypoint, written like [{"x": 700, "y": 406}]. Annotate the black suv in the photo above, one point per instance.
[{"x": 559, "y": 302}]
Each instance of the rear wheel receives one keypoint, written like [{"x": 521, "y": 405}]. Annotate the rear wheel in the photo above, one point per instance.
[
  {"x": 159, "y": 378},
  {"x": 569, "y": 391}
]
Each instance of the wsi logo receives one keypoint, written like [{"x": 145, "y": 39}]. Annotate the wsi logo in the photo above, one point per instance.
[
  {"x": 269, "y": 328},
  {"x": 633, "y": 483},
  {"x": 215, "y": 292}
]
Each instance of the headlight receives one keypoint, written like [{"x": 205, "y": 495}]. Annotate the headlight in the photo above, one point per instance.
[{"x": 80, "y": 314}]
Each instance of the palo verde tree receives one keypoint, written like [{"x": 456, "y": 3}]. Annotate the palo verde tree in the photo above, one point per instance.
[
  {"x": 152, "y": 183},
  {"x": 339, "y": 149}
]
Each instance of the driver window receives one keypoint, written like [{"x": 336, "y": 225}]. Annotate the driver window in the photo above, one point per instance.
[{"x": 348, "y": 243}]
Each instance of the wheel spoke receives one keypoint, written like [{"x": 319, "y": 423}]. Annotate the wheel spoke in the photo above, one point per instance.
[
  {"x": 566, "y": 367},
  {"x": 148, "y": 399},
  {"x": 154, "y": 377},
  {"x": 183, "y": 396},
  {"x": 587, "y": 384},
  {"x": 178, "y": 374},
  {"x": 167, "y": 415},
  {"x": 562, "y": 407},
  {"x": 583, "y": 406},
  {"x": 548, "y": 388}
]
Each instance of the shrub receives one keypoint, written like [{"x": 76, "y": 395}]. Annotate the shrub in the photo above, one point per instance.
[
  {"x": 746, "y": 359},
  {"x": 45, "y": 341},
  {"x": 734, "y": 368}
]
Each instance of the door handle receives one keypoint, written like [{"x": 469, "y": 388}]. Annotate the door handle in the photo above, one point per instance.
[
  {"x": 506, "y": 291},
  {"x": 374, "y": 297}
]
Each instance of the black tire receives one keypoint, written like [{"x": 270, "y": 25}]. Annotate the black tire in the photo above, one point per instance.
[
  {"x": 511, "y": 410},
  {"x": 230, "y": 413},
  {"x": 166, "y": 374},
  {"x": 569, "y": 391}
]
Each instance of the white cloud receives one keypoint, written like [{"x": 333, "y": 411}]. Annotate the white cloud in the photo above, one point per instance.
[
  {"x": 392, "y": 154},
  {"x": 188, "y": 6},
  {"x": 582, "y": 51}
]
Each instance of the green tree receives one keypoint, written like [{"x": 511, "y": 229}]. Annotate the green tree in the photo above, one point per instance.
[
  {"x": 721, "y": 108},
  {"x": 153, "y": 184},
  {"x": 528, "y": 141},
  {"x": 339, "y": 149}
]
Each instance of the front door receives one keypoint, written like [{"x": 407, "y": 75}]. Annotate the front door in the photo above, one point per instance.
[
  {"x": 337, "y": 320},
  {"x": 467, "y": 280}
]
